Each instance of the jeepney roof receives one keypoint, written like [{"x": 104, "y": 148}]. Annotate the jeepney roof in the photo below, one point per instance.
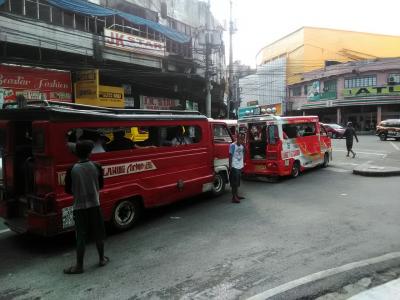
[{"x": 53, "y": 113}]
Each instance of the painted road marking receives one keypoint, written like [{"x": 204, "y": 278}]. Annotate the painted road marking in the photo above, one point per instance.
[
  {"x": 323, "y": 275},
  {"x": 337, "y": 170},
  {"x": 366, "y": 150},
  {"x": 366, "y": 153},
  {"x": 4, "y": 231},
  {"x": 395, "y": 146}
]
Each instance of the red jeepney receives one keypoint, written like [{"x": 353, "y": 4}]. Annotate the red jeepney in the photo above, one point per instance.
[
  {"x": 35, "y": 149},
  {"x": 284, "y": 146}
]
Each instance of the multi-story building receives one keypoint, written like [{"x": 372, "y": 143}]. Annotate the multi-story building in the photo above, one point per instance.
[
  {"x": 311, "y": 48},
  {"x": 363, "y": 92},
  {"x": 154, "y": 49}
]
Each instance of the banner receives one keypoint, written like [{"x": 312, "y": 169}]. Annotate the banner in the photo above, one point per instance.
[
  {"x": 34, "y": 84},
  {"x": 147, "y": 102},
  {"x": 132, "y": 43}
]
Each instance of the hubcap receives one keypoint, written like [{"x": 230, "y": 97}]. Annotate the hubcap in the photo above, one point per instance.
[{"x": 124, "y": 213}]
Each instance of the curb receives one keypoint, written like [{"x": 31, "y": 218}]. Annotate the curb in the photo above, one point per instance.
[
  {"x": 312, "y": 285},
  {"x": 373, "y": 171}
]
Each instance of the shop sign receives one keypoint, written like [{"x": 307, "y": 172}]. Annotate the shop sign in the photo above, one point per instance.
[
  {"x": 132, "y": 43},
  {"x": 109, "y": 96},
  {"x": 87, "y": 85},
  {"x": 259, "y": 110},
  {"x": 34, "y": 84},
  {"x": 392, "y": 90},
  {"x": 147, "y": 102},
  {"x": 252, "y": 103}
]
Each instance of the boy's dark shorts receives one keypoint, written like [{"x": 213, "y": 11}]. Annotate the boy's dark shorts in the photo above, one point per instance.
[
  {"x": 234, "y": 177},
  {"x": 349, "y": 146},
  {"x": 89, "y": 222}
]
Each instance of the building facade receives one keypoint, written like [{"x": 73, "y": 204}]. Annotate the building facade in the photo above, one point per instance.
[
  {"x": 363, "y": 92},
  {"x": 152, "y": 51},
  {"x": 310, "y": 48}
]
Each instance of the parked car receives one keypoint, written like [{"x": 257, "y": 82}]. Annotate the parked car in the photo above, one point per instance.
[
  {"x": 388, "y": 129},
  {"x": 334, "y": 130}
]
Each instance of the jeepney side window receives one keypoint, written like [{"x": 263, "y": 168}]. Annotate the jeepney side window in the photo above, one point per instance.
[
  {"x": 306, "y": 129},
  {"x": 221, "y": 134},
  {"x": 323, "y": 131},
  {"x": 290, "y": 130}
]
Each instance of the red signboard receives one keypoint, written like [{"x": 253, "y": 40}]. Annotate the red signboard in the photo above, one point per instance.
[{"x": 34, "y": 84}]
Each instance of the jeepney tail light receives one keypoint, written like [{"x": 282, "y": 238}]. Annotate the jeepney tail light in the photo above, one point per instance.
[
  {"x": 43, "y": 205},
  {"x": 44, "y": 176}
]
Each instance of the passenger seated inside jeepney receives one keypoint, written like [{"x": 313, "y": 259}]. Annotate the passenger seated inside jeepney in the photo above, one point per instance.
[
  {"x": 120, "y": 142},
  {"x": 258, "y": 141},
  {"x": 181, "y": 137}
]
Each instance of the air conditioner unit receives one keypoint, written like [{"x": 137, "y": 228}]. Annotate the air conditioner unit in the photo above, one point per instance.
[{"x": 391, "y": 80}]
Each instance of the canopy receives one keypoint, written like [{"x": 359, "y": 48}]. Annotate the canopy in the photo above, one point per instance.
[{"x": 91, "y": 9}]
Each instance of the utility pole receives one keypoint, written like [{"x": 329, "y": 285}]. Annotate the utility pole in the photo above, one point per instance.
[
  {"x": 230, "y": 76},
  {"x": 208, "y": 72}
]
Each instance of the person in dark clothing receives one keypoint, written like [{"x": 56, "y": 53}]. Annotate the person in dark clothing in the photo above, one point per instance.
[
  {"x": 350, "y": 134},
  {"x": 120, "y": 142},
  {"x": 84, "y": 180}
]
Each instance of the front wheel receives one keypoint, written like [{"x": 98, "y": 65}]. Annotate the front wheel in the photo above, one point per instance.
[
  {"x": 382, "y": 137},
  {"x": 125, "y": 214},
  {"x": 218, "y": 184},
  {"x": 295, "y": 170}
]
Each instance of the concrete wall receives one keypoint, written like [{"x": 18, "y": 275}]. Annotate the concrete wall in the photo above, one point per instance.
[{"x": 320, "y": 44}]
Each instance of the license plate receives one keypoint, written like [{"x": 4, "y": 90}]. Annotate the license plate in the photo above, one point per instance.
[{"x": 260, "y": 167}]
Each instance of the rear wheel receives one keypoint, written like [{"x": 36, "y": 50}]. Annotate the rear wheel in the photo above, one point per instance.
[
  {"x": 219, "y": 184},
  {"x": 382, "y": 137},
  {"x": 125, "y": 214},
  {"x": 295, "y": 170},
  {"x": 326, "y": 160}
]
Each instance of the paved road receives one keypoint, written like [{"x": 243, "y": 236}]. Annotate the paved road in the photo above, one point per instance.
[{"x": 210, "y": 248}]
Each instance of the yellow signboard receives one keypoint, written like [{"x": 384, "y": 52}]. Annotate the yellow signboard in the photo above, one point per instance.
[
  {"x": 87, "y": 85},
  {"x": 109, "y": 96},
  {"x": 392, "y": 90}
]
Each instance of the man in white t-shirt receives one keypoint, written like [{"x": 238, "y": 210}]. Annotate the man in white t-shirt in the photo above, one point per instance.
[{"x": 236, "y": 157}]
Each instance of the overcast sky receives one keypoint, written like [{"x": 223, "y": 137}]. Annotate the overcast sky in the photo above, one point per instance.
[{"x": 260, "y": 22}]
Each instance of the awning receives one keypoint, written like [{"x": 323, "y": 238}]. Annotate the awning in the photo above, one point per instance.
[{"x": 91, "y": 9}]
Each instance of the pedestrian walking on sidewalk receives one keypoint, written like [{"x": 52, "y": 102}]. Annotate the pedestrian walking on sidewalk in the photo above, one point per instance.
[
  {"x": 84, "y": 181},
  {"x": 350, "y": 134},
  {"x": 236, "y": 156}
]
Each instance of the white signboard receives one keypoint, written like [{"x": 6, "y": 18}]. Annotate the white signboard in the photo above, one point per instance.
[{"x": 132, "y": 43}]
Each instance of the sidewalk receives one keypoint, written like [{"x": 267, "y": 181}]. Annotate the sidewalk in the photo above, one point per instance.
[
  {"x": 387, "y": 291},
  {"x": 382, "y": 167}
]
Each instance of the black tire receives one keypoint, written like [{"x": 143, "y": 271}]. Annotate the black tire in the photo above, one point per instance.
[
  {"x": 219, "y": 184},
  {"x": 382, "y": 137},
  {"x": 295, "y": 170},
  {"x": 326, "y": 160},
  {"x": 125, "y": 214}
]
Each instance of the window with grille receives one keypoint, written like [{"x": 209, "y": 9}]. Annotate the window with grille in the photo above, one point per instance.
[{"x": 363, "y": 81}]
